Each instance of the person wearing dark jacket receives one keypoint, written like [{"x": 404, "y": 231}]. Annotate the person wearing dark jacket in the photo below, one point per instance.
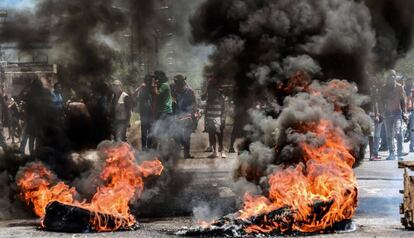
[
  {"x": 3, "y": 143},
  {"x": 39, "y": 118},
  {"x": 185, "y": 108},
  {"x": 144, "y": 95}
]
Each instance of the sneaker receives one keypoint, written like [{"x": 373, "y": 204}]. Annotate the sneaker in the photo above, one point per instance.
[
  {"x": 232, "y": 150},
  {"x": 209, "y": 149},
  {"x": 189, "y": 156},
  {"x": 402, "y": 154},
  {"x": 223, "y": 155},
  {"x": 375, "y": 158},
  {"x": 391, "y": 157},
  {"x": 213, "y": 156}
]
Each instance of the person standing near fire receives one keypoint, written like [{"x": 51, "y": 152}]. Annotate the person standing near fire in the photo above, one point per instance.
[
  {"x": 185, "y": 111},
  {"x": 395, "y": 108},
  {"x": 121, "y": 111},
  {"x": 3, "y": 143},
  {"x": 163, "y": 96},
  {"x": 144, "y": 96},
  {"x": 377, "y": 118},
  {"x": 410, "y": 107},
  {"x": 38, "y": 116},
  {"x": 57, "y": 97},
  {"x": 13, "y": 117},
  {"x": 163, "y": 109},
  {"x": 215, "y": 117}
]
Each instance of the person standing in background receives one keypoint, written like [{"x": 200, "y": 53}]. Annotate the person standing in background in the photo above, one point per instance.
[
  {"x": 163, "y": 96},
  {"x": 3, "y": 143},
  {"x": 57, "y": 97},
  {"x": 377, "y": 118},
  {"x": 185, "y": 110},
  {"x": 13, "y": 116},
  {"x": 410, "y": 107},
  {"x": 121, "y": 111},
  {"x": 215, "y": 117},
  {"x": 144, "y": 96},
  {"x": 394, "y": 101},
  {"x": 162, "y": 130},
  {"x": 38, "y": 116}
]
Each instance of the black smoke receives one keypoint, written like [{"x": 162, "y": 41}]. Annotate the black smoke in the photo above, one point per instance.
[
  {"x": 392, "y": 21},
  {"x": 148, "y": 22},
  {"x": 261, "y": 45},
  {"x": 20, "y": 28},
  {"x": 77, "y": 29}
]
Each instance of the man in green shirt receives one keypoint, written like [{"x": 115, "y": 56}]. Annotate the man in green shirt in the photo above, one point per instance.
[
  {"x": 163, "y": 110},
  {"x": 163, "y": 97}
]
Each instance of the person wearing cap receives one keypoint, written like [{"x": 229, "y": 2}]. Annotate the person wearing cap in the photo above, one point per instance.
[
  {"x": 394, "y": 104},
  {"x": 121, "y": 111},
  {"x": 215, "y": 117},
  {"x": 185, "y": 108},
  {"x": 162, "y": 130}
]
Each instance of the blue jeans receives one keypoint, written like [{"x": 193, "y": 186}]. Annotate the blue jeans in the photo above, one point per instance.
[
  {"x": 393, "y": 127},
  {"x": 383, "y": 134},
  {"x": 376, "y": 137},
  {"x": 411, "y": 128},
  {"x": 26, "y": 137}
]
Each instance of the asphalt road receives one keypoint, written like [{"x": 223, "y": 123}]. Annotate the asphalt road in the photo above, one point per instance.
[{"x": 377, "y": 214}]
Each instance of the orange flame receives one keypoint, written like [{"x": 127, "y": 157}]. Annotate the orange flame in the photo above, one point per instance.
[
  {"x": 123, "y": 179},
  {"x": 326, "y": 176},
  {"x": 36, "y": 186}
]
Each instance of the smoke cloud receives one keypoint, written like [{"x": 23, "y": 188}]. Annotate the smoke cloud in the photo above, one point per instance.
[
  {"x": 277, "y": 140},
  {"x": 77, "y": 28},
  {"x": 330, "y": 39},
  {"x": 392, "y": 22},
  {"x": 277, "y": 47}
]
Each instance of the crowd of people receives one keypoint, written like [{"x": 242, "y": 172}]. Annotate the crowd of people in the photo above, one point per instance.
[
  {"x": 167, "y": 111},
  {"x": 170, "y": 111},
  {"x": 20, "y": 116},
  {"x": 42, "y": 116},
  {"x": 9, "y": 114},
  {"x": 393, "y": 116}
]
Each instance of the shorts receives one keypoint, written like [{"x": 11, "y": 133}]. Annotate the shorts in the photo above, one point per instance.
[{"x": 213, "y": 125}]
